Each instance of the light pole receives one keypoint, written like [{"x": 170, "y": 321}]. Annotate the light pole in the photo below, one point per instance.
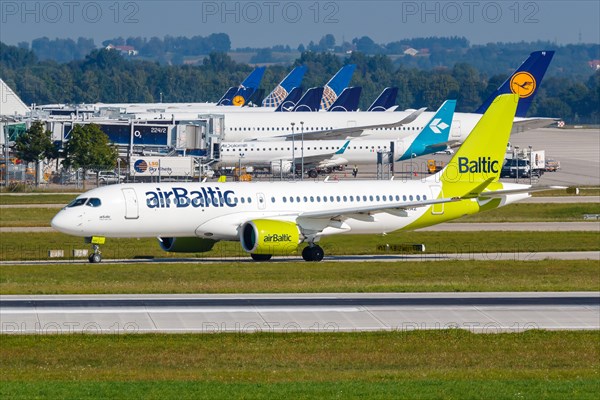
[
  {"x": 517, "y": 159},
  {"x": 302, "y": 149},
  {"x": 293, "y": 151},
  {"x": 530, "y": 165}
]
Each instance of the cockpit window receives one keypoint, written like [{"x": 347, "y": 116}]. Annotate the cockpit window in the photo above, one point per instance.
[
  {"x": 93, "y": 202},
  {"x": 77, "y": 202}
]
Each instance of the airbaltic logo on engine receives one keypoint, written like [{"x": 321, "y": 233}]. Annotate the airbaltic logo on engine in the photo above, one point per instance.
[
  {"x": 284, "y": 237},
  {"x": 482, "y": 164},
  {"x": 181, "y": 198}
]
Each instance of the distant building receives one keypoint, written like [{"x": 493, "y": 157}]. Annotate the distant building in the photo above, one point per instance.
[
  {"x": 411, "y": 52},
  {"x": 594, "y": 64},
  {"x": 124, "y": 50}
]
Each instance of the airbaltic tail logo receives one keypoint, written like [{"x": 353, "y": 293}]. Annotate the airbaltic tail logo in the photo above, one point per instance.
[
  {"x": 437, "y": 126},
  {"x": 523, "y": 84},
  {"x": 481, "y": 165}
]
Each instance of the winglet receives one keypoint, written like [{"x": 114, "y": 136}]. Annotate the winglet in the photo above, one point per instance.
[{"x": 343, "y": 148}]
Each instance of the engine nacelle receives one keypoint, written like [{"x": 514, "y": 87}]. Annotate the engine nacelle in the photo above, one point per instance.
[
  {"x": 265, "y": 236},
  {"x": 278, "y": 167},
  {"x": 186, "y": 244}
]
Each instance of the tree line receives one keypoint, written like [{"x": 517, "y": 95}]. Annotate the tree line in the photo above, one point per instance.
[{"x": 105, "y": 76}]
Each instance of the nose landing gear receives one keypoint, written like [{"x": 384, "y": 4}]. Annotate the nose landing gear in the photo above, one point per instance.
[{"x": 96, "y": 255}]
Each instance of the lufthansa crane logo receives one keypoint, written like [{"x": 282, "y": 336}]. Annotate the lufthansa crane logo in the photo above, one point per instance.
[
  {"x": 523, "y": 84},
  {"x": 238, "y": 101}
]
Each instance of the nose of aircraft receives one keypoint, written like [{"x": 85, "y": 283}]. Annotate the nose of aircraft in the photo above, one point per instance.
[{"x": 62, "y": 222}]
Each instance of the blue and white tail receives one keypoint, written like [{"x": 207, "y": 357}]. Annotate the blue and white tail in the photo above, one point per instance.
[
  {"x": 336, "y": 85},
  {"x": 348, "y": 100},
  {"x": 434, "y": 136},
  {"x": 310, "y": 100},
  {"x": 291, "y": 81},
  {"x": 525, "y": 82},
  {"x": 290, "y": 101},
  {"x": 243, "y": 93},
  {"x": 386, "y": 99}
]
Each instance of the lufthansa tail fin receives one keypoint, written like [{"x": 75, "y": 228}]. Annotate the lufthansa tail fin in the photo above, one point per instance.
[
  {"x": 291, "y": 81},
  {"x": 478, "y": 162},
  {"x": 336, "y": 85},
  {"x": 386, "y": 99},
  {"x": 244, "y": 91},
  {"x": 290, "y": 101},
  {"x": 434, "y": 136},
  {"x": 348, "y": 100},
  {"x": 310, "y": 100},
  {"x": 525, "y": 82}
]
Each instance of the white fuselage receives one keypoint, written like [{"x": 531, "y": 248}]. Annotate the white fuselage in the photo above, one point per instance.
[{"x": 217, "y": 210}]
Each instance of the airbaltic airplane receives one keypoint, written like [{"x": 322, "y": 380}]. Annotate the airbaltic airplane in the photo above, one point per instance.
[
  {"x": 276, "y": 217},
  {"x": 277, "y": 155}
]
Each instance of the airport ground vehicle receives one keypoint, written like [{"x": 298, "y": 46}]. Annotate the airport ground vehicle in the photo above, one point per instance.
[
  {"x": 434, "y": 166},
  {"x": 552, "y": 165}
]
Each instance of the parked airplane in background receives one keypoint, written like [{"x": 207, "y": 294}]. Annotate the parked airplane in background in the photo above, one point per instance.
[
  {"x": 385, "y": 101},
  {"x": 336, "y": 85},
  {"x": 240, "y": 95},
  {"x": 276, "y": 217},
  {"x": 318, "y": 154},
  {"x": 388, "y": 125},
  {"x": 282, "y": 91}
]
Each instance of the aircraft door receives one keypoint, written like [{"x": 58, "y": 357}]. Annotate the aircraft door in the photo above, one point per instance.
[
  {"x": 262, "y": 202},
  {"x": 456, "y": 130},
  {"x": 131, "y": 204},
  {"x": 437, "y": 193}
]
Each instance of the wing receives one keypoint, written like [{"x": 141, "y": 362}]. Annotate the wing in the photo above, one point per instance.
[
  {"x": 525, "y": 124},
  {"x": 343, "y": 133}
]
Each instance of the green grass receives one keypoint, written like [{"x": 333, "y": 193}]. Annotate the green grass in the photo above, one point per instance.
[
  {"x": 528, "y": 212},
  {"x": 35, "y": 245},
  {"x": 24, "y": 217},
  {"x": 52, "y": 198},
  {"x": 570, "y": 191},
  {"x": 302, "y": 277},
  {"x": 523, "y": 212},
  {"x": 421, "y": 364}
]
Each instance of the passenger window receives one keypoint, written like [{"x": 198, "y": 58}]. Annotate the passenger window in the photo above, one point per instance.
[{"x": 77, "y": 202}]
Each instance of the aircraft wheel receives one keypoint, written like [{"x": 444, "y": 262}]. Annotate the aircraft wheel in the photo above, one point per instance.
[
  {"x": 95, "y": 258},
  {"x": 314, "y": 253},
  {"x": 261, "y": 257}
]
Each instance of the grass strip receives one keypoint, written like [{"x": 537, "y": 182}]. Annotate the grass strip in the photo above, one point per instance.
[
  {"x": 422, "y": 364},
  {"x": 302, "y": 277},
  {"x": 51, "y": 198},
  {"x": 523, "y": 212},
  {"x": 35, "y": 245}
]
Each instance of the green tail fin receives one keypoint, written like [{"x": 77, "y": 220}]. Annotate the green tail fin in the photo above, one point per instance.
[{"x": 478, "y": 162}]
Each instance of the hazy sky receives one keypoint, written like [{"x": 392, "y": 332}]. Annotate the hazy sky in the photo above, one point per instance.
[{"x": 265, "y": 23}]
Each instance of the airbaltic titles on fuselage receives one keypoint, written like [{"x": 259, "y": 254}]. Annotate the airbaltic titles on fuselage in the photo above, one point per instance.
[{"x": 182, "y": 198}]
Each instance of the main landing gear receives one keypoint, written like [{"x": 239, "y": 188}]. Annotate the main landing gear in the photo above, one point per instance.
[{"x": 313, "y": 253}]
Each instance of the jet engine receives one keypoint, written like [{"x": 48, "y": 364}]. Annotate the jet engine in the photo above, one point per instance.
[
  {"x": 278, "y": 167},
  {"x": 186, "y": 244},
  {"x": 264, "y": 236}
]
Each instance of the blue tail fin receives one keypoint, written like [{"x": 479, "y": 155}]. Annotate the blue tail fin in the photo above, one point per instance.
[
  {"x": 310, "y": 100},
  {"x": 290, "y": 101},
  {"x": 336, "y": 85},
  {"x": 434, "y": 136},
  {"x": 245, "y": 90},
  {"x": 386, "y": 99},
  {"x": 348, "y": 100},
  {"x": 226, "y": 99},
  {"x": 291, "y": 81},
  {"x": 525, "y": 82},
  {"x": 343, "y": 148}
]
